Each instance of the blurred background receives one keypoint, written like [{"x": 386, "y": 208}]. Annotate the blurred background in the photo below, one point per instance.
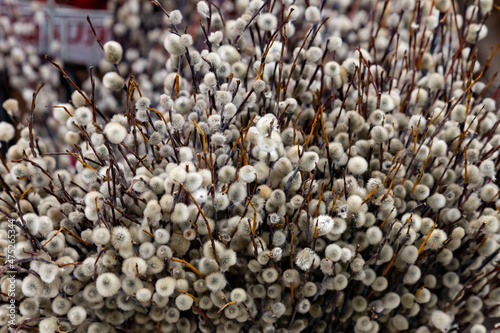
[{"x": 30, "y": 29}]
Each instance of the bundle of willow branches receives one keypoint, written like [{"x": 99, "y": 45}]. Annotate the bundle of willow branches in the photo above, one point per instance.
[{"x": 291, "y": 166}]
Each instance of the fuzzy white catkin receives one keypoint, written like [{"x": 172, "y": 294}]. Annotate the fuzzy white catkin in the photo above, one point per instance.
[
  {"x": 340, "y": 282},
  {"x": 173, "y": 45},
  {"x": 312, "y": 14},
  {"x": 294, "y": 12},
  {"x": 77, "y": 99},
  {"x": 259, "y": 86},
  {"x": 133, "y": 266},
  {"x": 440, "y": 319},
  {"x": 364, "y": 324},
  {"x": 380, "y": 284},
  {"x": 120, "y": 237},
  {"x": 305, "y": 259},
  {"x": 31, "y": 286},
  {"x": 223, "y": 97},
  {"x": 267, "y": 22},
  {"x": 210, "y": 80},
  {"x": 334, "y": 252},
  {"x": 32, "y": 222},
  {"x": 324, "y": 224},
  {"x": 379, "y": 134},
  {"x": 216, "y": 37},
  {"x": 77, "y": 315},
  {"x": 314, "y": 54},
  {"x": 113, "y": 52},
  {"x": 165, "y": 286},
  {"x": 332, "y": 69},
  {"x": 115, "y": 132},
  {"x": 48, "y": 325},
  {"x": 180, "y": 213},
  {"x": 436, "y": 201},
  {"x": 486, "y": 6},
  {"x": 214, "y": 59},
  {"x": 203, "y": 9},
  {"x": 7, "y": 131},
  {"x": 11, "y": 106},
  {"x": 238, "y": 295},
  {"x": 335, "y": 43},
  {"x": 186, "y": 40},
  {"x": 359, "y": 303},
  {"x": 357, "y": 165},
  {"x": 143, "y": 295},
  {"x": 83, "y": 115},
  {"x": 175, "y": 17},
  {"x": 183, "y": 302},
  {"x": 216, "y": 281},
  {"x": 442, "y": 5},
  {"x": 409, "y": 254},
  {"x": 374, "y": 235},
  {"x": 247, "y": 174},
  {"x": 48, "y": 272},
  {"x": 113, "y": 81},
  {"x": 436, "y": 239},
  {"x": 143, "y": 103},
  {"x": 270, "y": 275},
  {"x": 107, "y": 284},
  {"x": 162, "y": 236},
  {"x": 61, "y": 305},
  {"x": 308, "y": 161}
]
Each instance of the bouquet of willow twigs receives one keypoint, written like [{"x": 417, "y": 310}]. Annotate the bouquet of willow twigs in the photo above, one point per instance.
[{"x": 261, "y": 166}]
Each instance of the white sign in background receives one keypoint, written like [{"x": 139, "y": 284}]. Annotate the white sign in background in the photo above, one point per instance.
[
  {"x": 69, "y": 30},
  {"x": 65, "y": 32}
]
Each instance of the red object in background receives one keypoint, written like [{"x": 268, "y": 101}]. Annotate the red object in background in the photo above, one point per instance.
[{"x": 84, "y": 4}]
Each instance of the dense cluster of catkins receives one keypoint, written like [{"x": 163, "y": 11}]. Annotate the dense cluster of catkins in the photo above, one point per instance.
[{"x": 307, "y": 166}]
